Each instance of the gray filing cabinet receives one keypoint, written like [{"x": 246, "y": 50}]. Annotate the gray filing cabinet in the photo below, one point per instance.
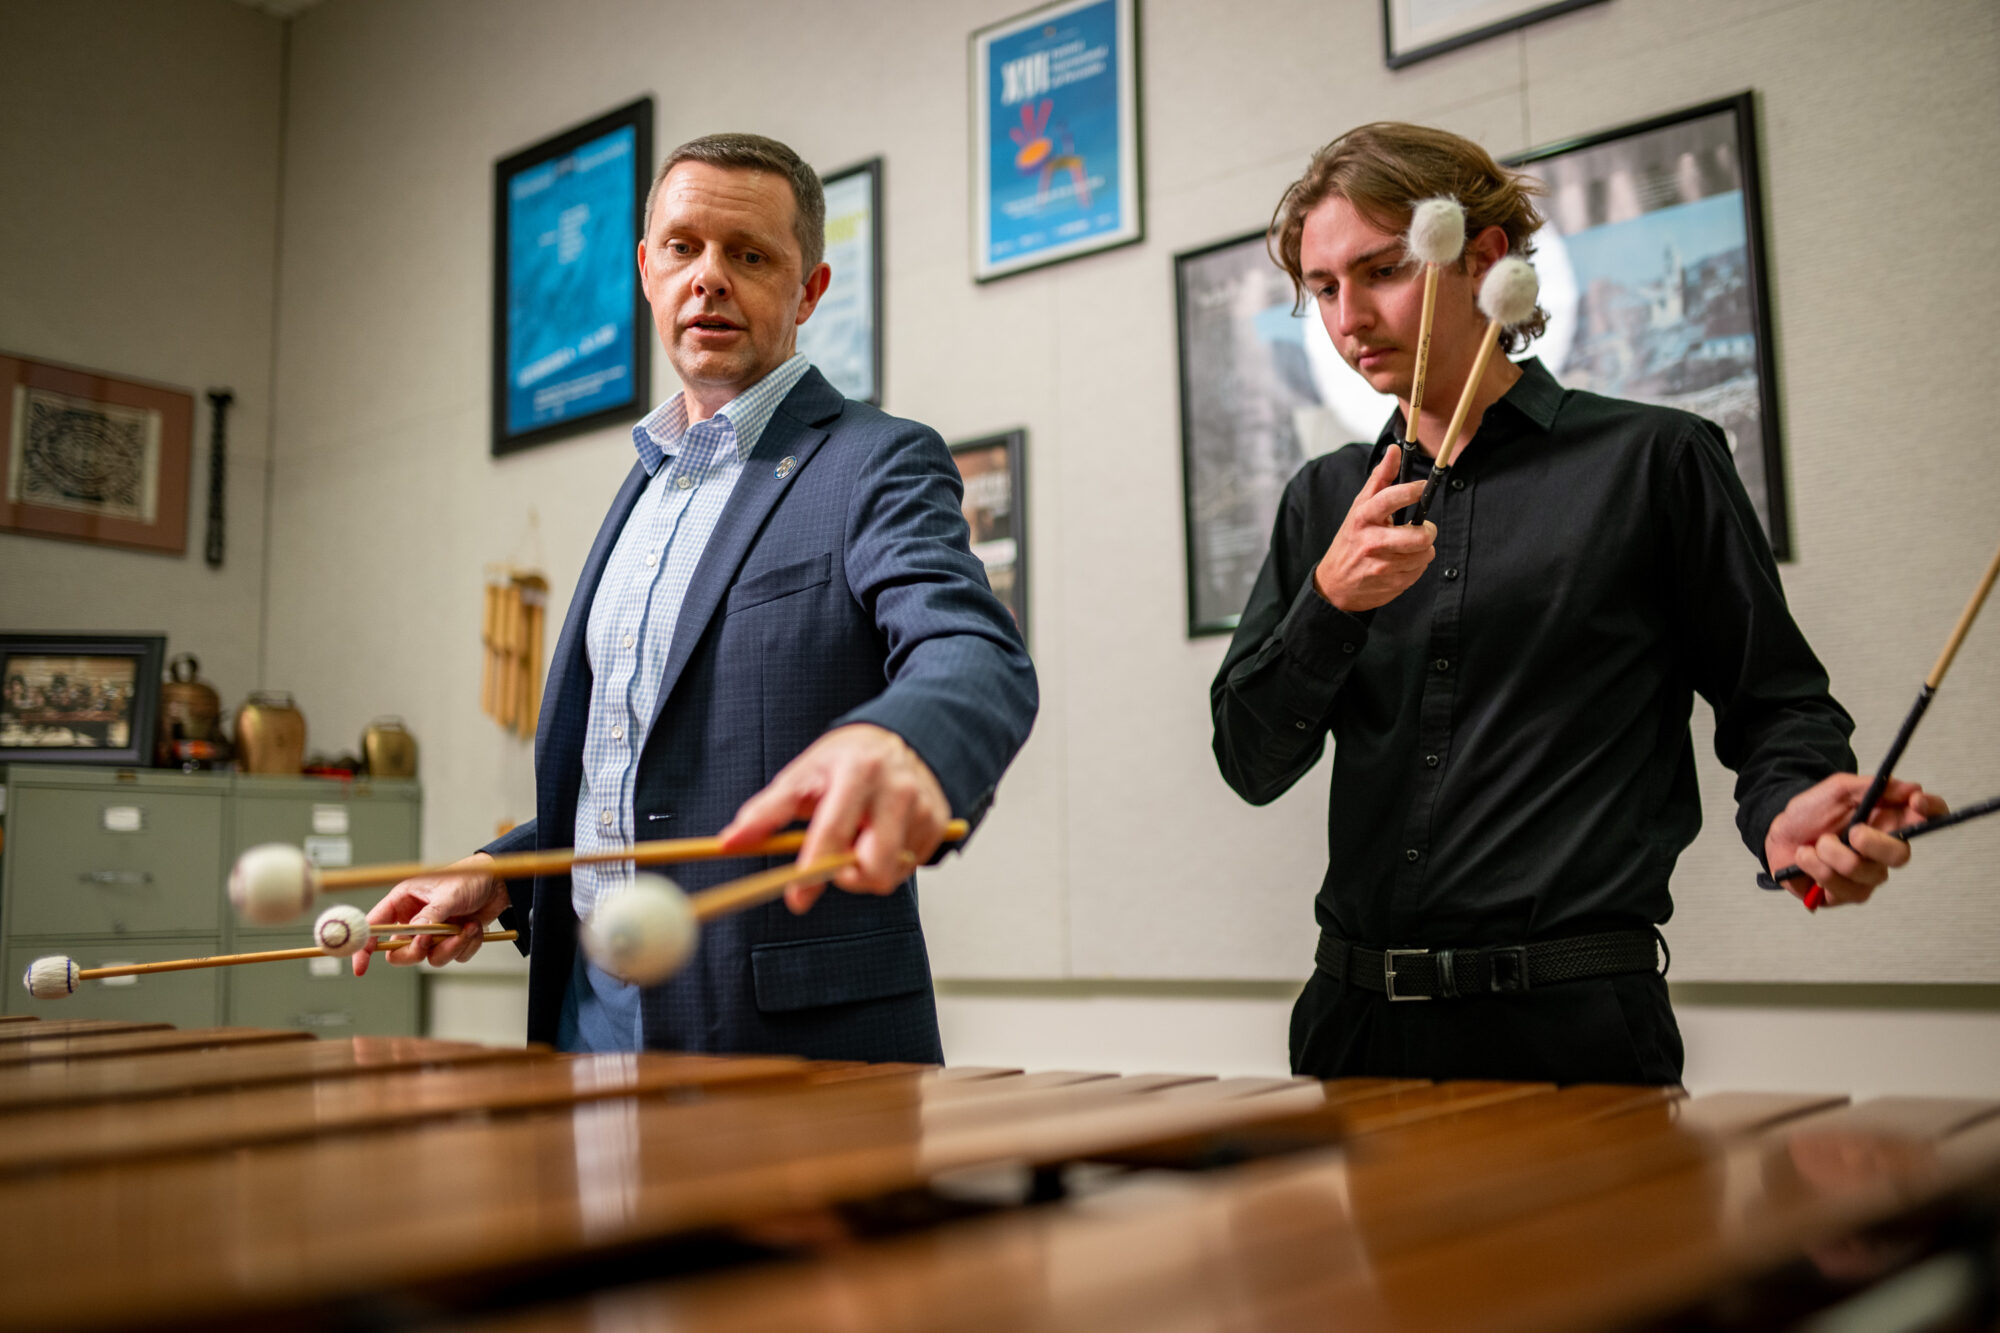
[{"x": 129, "y": 865}]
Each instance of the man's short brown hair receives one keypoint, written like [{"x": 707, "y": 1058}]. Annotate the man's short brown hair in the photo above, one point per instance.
[
  {"x": 754, "y": 152},
  {"x": 1384, "y": 170}
]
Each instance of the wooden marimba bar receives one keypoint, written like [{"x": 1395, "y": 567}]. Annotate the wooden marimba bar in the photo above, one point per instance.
[{"x": 230, "y": 1178}]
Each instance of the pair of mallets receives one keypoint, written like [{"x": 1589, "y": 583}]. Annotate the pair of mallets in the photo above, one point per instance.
[
  {"x": 1507, "y": 297},
  {"x": 642, "y": 934},
  {"x": 1815, "y": 896}
]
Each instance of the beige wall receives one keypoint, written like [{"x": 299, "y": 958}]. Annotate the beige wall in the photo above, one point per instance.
[{"x": 138, "y": 223}]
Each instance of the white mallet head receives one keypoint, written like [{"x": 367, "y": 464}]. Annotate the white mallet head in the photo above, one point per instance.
[
  {"x": 1508, "y": 291},
  {"x": 51, "y": 978},
  {"x": 1437, "y": 231},
  {"x": 272, "y": 884},
  {"x": 342, "y": 930},
  {"x": 644, "y": 934}
]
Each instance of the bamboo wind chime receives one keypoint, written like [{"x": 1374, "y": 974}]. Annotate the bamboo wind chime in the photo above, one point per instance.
[{"x": 510, "y": 686}]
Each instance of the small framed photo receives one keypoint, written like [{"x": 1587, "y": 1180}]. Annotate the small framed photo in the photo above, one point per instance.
[
  {"x": 572, "y": 333},
  {"x": 93, "y": 457},
  {"x": 1653, "y": 274},
  {"x": 79, "y": 698},
  {"x": 1055, "y": 135},
  {"x": 1414, "y": 30},
  {"x": 996, "y": 512},
  {"x": 844, "y": 336}
]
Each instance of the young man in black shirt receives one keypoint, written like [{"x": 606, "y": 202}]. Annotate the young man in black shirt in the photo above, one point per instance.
[{"x": 1508, "y": 686}]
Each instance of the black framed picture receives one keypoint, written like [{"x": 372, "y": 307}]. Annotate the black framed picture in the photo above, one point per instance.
[
  {"x": 1653, "y": 274},
  {"x": 1414, "y": 30},
  {"x": 1262, "y": 391},
  {"x": 572, "y": 335},
  {"x": 844, "y": 336},
  {"x": 1055, "y": 135},
  {"x": 80, "y": 698},
  {"x": 996, "y": 489}
]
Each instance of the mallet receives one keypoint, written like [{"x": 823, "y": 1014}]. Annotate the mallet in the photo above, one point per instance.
[
  {"x": 53, "y": 977},
  {"x": 1436, "y": 237},
  {"x": 273, "y": 883},
  {"x": 645, "y": 933},
  {"x": 1506, "y": 297},
  {"x": 1815, "y": 896}
]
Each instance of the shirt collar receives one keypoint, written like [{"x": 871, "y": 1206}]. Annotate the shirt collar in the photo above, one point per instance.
[
  {"x": 1535, "y": 396},
  {"x": 659, "y": 434}
]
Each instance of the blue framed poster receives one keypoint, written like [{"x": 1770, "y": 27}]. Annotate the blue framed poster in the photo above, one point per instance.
[
  {"x": 1055, "y": 136},
  {"x": 571, "y": 333},
  {"x": 844, "y": 336}
]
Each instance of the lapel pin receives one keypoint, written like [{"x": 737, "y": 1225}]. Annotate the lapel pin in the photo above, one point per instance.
[{"x": 786, "y": 466}]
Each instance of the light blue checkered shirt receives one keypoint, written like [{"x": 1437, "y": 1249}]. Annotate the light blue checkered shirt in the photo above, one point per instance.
[{"x": 691, "y": 471}]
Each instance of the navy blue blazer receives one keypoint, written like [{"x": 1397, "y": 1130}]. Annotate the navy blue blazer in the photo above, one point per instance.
[{"x": 837, "y": 587}]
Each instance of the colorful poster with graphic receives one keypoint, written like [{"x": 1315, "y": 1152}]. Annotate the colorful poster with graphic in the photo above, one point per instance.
[
  {"x": 571, "y": 349},
  {"x": 1055, "y": 136}
]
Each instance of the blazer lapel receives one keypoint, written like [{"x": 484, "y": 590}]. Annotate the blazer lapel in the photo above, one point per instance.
[
  {"x": 569, "y": 669},
  {"x": 794, "y": 431}
]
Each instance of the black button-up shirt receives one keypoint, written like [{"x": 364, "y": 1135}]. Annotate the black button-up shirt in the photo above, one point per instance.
[{"x": 1512, "y": 758}]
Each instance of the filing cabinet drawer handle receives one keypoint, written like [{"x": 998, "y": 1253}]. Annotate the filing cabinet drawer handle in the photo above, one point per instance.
[
  {"x": 334, "y": 1018},
  {"x": 116, "y": 877}
]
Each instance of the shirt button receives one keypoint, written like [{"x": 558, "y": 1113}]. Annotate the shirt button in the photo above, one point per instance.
[
  {"x": 1300, "y": 724},
  {"x": 618, "y": 734},
  {"x": 1412, "y": 854},
  {"x": 1458, "y": 483},
  {"x": 684, "y": 481},
  {"x": 1451, "y": 573},
  {"x": 627, "y": 641},
  {"x": 1443, "y": 664},
  {"x": 605, "y": 819},
  {"x": 1431, "y": 760},
  {"x": 1346, "y": 647},
  {"x": 652, "y": 560}
]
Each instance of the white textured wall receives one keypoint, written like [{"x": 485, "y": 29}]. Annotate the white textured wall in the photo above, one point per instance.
[{"x": 138, "y": 218}]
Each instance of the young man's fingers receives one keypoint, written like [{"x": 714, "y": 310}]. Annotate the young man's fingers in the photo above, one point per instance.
[
  {"x": 790, "y": 796},
  {"x": 1877, "y": 846}
]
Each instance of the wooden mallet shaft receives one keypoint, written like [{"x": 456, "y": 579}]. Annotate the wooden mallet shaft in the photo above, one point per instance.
[
  {"x": 522, "y": 865},
  {"x": 1423, "y": 354},
  {"x": 267, "y": 956}
]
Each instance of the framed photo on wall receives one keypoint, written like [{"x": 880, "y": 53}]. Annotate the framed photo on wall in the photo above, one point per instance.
[
  {"x": 571, "y": 330},
  {"x": 1262, "y": 391},
  {"x": 1055, "y": 135},
  {"x": 996, "y": 512},
  {"x": 1653, "y": 274},
  {"x": 79, "y": 698},
  {"x": 1414, "y": 30},
  {"x": 93, "y": 457},
  {"x": 844, "y": 336}
]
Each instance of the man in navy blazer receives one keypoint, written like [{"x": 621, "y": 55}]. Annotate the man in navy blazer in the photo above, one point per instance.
[{"x": 781, "y": 619}]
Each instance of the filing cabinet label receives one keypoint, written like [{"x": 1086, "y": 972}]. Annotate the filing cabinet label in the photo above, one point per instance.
[
  {"x": 330, "y": 851},
  {"x": 124, "y": 819},
  {"x": 330, "y": 820},
  {"x": 323, "y": 967}
]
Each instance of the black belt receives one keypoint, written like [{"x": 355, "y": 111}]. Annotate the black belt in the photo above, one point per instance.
[{"x": 1440, "y": 974}]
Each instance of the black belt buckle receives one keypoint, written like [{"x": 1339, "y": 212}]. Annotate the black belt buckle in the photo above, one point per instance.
[
  {"x": 1507, "y": 969},
  {"x": 1389, "y": 957}
]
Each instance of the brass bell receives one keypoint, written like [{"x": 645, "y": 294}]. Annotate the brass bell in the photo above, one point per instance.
[
  {"x": 270, "y": 734},
  {"x": 388, "y": 750},
  {"x": 190, "y": 731}
]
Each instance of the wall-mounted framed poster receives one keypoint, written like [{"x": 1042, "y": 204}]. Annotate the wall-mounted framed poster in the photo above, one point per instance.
[
  {"x": 571, "y": 332},
  {"x": 1653, "y": 274},
  {"x": 1055, "y": 135},
  {"x": 844, "y": 336},
  {"x": 996, "y": 498}
]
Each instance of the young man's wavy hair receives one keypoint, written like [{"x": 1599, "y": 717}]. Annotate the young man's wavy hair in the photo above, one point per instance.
[{"x": 1384, "y": 170}]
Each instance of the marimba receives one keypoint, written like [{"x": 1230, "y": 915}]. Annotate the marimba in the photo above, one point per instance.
[{"x": 235, "y": 1178}]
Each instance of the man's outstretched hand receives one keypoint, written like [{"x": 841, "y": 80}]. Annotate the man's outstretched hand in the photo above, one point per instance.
[{"x": 862, "y": 787}]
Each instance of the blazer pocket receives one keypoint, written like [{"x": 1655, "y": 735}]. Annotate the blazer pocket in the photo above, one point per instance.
[
  {"x": 811, "y": 974},
  {"x": 783, "y": 581}
]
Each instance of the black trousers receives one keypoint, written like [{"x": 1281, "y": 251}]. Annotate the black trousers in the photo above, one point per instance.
[{"x": 1616, "y": 1029}]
